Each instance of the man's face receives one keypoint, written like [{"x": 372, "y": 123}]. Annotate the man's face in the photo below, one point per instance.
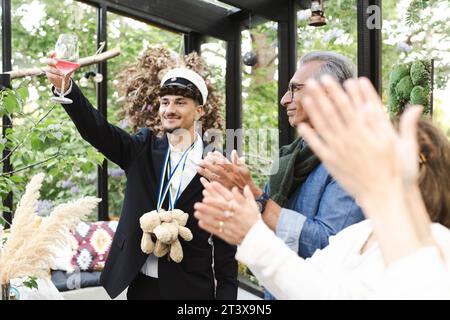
[
  {"x": 178, "y": 112},
  {"x": 294, "y": 107}
]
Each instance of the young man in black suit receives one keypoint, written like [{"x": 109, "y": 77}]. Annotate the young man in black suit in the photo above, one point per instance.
[{"x": 208, "y": 269}]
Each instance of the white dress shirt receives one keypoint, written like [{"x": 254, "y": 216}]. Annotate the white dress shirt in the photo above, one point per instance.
[{"x": 150, "y": 268}]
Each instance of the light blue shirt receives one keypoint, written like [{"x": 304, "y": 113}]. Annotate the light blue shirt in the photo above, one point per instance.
[{"x": 318, "y": 209}]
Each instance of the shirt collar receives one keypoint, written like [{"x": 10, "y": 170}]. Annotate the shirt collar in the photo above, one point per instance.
[{"x": 197, "y": 144}]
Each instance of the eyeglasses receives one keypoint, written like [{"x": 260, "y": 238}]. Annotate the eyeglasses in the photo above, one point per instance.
[{"x": 293, "y": 87}]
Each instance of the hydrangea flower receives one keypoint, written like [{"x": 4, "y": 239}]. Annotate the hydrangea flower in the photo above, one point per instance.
[
  {"x": 44, "y": 207},
  {"x": 74, "y": 189},
  {"x": 116, "y": 173},
  {"x": 66, "y": 184},
  {"x": 332, "y": 34},
  {"x": 402, "y": 46}
]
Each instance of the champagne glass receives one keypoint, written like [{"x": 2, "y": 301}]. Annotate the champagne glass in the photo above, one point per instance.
[{"x": 66, "y": 56}]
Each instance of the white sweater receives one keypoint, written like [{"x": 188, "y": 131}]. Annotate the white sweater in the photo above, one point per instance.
[{"x": 339, "y": 271}]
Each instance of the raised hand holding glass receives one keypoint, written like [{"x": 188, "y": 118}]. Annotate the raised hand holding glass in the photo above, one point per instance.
[{"x": 66, "y": 56}]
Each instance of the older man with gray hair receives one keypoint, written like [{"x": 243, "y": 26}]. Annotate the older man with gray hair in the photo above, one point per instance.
[{"x": 301, "y": 202}]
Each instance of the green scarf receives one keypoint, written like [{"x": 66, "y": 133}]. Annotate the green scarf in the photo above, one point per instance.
[{"x": 294, "y": 166}]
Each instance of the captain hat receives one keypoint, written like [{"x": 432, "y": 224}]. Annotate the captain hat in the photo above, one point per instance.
[{"x": 188, "y": 79}]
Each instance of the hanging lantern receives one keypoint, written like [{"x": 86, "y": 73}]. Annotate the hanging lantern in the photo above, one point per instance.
[
  {"x": 84, "y": 82},
  {"x": 317, "y": 13},
  {"x": 98, "y": 78},
  {"x": 250, "y": 58}
]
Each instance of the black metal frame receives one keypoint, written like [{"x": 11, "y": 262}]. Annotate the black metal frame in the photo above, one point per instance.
[
  {"x": 5, "y": 82},
  {"x": 233, "y": 112},
  {"x": 369, "y": 44},
  {"x": 287, "y": 65},
  {"x": 192, "y": 42},
  {"x": 102, "y": 94},
  {"x": 197, "y": 19},
  {"x": 432, "y": 89}
]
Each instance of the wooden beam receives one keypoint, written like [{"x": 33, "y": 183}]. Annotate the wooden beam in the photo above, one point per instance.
[{"x": 86, "y": 61}]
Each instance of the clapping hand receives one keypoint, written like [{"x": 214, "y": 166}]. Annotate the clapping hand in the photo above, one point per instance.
[
  {"x": 234, "y": 173},
  {"x": 227, "y": 214},
  {"x": 352, "y": 134}
]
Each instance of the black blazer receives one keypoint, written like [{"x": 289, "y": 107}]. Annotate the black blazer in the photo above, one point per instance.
[{"x": 141, "y": 156}]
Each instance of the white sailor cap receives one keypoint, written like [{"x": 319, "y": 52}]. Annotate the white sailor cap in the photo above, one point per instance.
[{"x": 188, "y": 79}]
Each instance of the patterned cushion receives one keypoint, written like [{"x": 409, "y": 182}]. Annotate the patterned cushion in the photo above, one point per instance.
[{"x": 94, "y": 241}]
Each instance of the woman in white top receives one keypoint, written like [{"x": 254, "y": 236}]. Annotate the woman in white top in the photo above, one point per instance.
[{"x": 398, "y": 253}]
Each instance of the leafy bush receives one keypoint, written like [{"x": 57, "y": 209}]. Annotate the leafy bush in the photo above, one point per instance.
[{"x": 410, "y": 83}]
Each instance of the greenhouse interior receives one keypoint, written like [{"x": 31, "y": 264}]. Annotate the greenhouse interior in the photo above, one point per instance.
[{"x": 225, "y": 150}]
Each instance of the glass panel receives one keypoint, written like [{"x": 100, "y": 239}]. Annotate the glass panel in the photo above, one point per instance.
[
  {"x": 132, "y": 37},
  {"x": 415, "y": 30},
  {"x": 339, "y": 34},
  {"x": 260, "y": 98},
  {"x": 213, "y": 51},
  {"x": 51, "y": 143}
]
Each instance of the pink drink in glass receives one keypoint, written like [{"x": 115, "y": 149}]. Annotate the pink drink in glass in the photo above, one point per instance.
[{"x": 65, "y": 66}]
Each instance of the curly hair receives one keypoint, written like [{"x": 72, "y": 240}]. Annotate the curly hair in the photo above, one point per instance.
[{"x": 139, "y": 85}]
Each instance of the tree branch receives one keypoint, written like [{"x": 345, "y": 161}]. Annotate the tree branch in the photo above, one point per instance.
[
  {"x": 38, "y": 71},
  {"x": 30, "y": 166},
  {"x": 25, "y": 139}
]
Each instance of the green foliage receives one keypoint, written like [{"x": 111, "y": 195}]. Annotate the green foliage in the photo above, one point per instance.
[
  {"x": 245, "y": 272},
  {"x": 410, "y": 83},
  {"x": 53, "y": 144},
  {"x": 394, "y": 104},
  {"x": 398, "y": 72},
  {"x": 419, "y": 73},
  {"x": 339, "y": 34},
  {"x": 43, "y": 138},
  {"x": 11, "y": 101},
  {"x": 403, "y": 88},
  {"x": 30, "y": 283},
  {"x": 418, "y": 33},
  {"x": 414, "y": 10},
  {"x": 260, "y": 112},
  {"x": 419, "y": 95}
]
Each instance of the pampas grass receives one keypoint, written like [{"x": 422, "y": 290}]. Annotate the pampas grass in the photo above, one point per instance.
[{"x": 27, "y": 251}]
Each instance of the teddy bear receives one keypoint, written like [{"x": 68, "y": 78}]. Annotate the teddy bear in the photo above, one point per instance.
[
  {"x": 161, "y": 231},
  {"x": 149, "y": 221}
]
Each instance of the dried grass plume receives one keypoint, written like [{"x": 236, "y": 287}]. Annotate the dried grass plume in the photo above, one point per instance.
[{"x": 28, "y": 250}]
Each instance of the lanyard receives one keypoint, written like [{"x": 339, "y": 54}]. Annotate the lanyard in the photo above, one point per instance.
[
  {"x": 164, "y": 189},
  {"x": 172, "y": 200}
]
